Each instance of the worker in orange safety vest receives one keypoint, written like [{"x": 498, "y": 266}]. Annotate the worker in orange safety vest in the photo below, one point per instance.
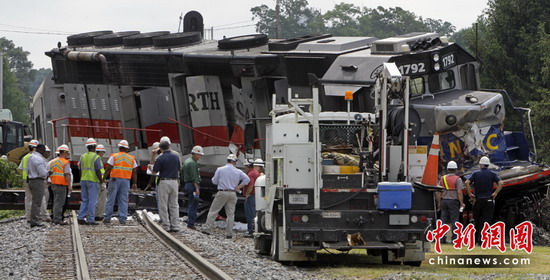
[
  {"x": 121, "y": 168},
  {"x": 60, "y": 182}
]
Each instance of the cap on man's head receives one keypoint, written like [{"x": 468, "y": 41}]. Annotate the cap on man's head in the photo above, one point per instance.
[
  {"x": 232, "y": 157},
  {"x": 100, "y": 148},
  {"x": 33, "y": 143},
  {"x": 259, "y": 162},
  {"x": 249, "y": 163},
  {"x": 165, "y": 138},
  {"x": 90, "y": 142},
  {"x": 484, "y": 161},
  {"x": 155, "y": 145},
  {"x": 197, "y": 150},
  {"x": 452, "y": 165},
  {"x": 48, "y": 148},
  {"x": 124, "y": 144},
  {"x": 63, "y": 148}
]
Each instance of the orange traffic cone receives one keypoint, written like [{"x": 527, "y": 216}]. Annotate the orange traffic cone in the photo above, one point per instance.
[{"x": 431, "y": 170}]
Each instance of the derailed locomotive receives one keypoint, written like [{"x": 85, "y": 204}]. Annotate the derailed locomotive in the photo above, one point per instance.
[{"x": 141, "y": 86}]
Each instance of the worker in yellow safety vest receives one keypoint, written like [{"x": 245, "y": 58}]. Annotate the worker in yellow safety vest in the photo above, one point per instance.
[
  {"x": 102, "y": 196},
  {"x": 90, "y": 178},
  {"x": 121, "y": 168},
  {"x": 60, "y": 176}
]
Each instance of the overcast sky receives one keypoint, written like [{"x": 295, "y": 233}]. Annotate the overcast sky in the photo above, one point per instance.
[{"x": 229, "y": 18}]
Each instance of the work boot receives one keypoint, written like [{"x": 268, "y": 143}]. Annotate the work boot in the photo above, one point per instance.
[{"x": 82, "y": 222}]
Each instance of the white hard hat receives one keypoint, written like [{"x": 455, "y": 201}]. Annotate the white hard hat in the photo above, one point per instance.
[
  {"x": 124, "y": 143},
  {"x": 197, "y": 150},
  {"x": 90, "y": 142},
  {"x": 259, "y": 162},
  {"x": 33, "y": 143},
  {"x": 484, "y": 161},
  {"x": 4, "y": 157},
  {"x": 63, "y": 148},
  {"x": 232, "y": 157},
  {"x": 100, "y": 148},
  {"x": 155, "y": 145},
  {"x": 452, "y": 165},
  {"x": 48, "y": 148},
  {"x": 165, "y": 138}
]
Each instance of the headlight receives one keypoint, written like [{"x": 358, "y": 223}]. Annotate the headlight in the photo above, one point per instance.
[
  {"x": 305, "y": 218},
  {"x": 450, "y": 120},
  {"x": 437, "y": 67},
  {"x": 435, "y": 57}
]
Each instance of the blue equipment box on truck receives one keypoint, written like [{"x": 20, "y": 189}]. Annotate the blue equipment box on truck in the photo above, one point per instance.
[{"x": 394, "y": 195}]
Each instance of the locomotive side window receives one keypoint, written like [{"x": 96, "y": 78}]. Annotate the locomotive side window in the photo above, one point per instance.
[
  {"x": 416, "y": 86},
  {"x": 468, "y": 76},
  {"x": 441, "y": 81}
]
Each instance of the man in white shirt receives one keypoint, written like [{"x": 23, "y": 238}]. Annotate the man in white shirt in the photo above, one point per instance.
[{"x": 37, "y": 174}]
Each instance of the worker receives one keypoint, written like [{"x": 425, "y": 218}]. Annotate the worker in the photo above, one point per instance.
[
  {"x": 153, "y": 181},
  {"x": 102, "y": 194},
  {"x": 37, "y": 172},
  {"x": 44, "y": 215},
  {"x": 121, "y": 168},
  {"x": 90, "y": 178},
  {"x": 23, "y": 168},
  {"x": 60, "y": 182},
  {"x": 229, "y": 180},
  {"x": 191, "y": 186},
  {"x": 167, "y": 165},
  {"x": 483, "y": 181},
  {"x": 450, "y": 201},
  {"x": 248, "y": 193}
]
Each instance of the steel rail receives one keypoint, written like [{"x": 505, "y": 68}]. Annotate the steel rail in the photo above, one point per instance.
[
  {"x": 82, "y": 272},
  {"x": 204, "y": 266}
]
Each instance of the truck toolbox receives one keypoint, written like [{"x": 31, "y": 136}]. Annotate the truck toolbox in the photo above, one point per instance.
[
  {"x": 394, "y": 195},
  {"x": 342, "y": 180}
]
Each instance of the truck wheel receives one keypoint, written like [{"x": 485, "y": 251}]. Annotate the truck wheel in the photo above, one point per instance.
[
  {"x": 385, "y": 258},
  {"x": 275, "y": 235},
  {"x": 414, "y": 263},
  {"x": 263, "y": 245}
]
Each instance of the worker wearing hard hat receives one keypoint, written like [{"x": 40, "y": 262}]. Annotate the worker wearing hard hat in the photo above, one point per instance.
[
  {"x": 60, "y": 176},
  {"x": 24, "y": 168},
  {"x": 229, "y": 180},
  {"x": 121, "y": 167},
  {"x": 90, "y": 178},
  {"x": 450, "y": 201},
  {"x": 483, "y": 182},
  {"x": 192, "y": 180},
  {"x": 102, "y": 194},
  {"x": 167, "y": 165},
  {"x": 252, "y": 170}
]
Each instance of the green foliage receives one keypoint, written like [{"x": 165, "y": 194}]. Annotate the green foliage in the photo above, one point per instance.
[
  {"x": 9, "y": 177},
  {"x": 297, "y": 19},
  {"x": 7, "y": 214},
  {"x": 14, "y": 98},
  {"x": 514, "y": 45},
  {"x": 20, "y": 80}
]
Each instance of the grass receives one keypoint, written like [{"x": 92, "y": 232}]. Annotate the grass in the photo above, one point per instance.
[
  {"x": 6, "y": 214},
  {"x": 358, "y": 265}
]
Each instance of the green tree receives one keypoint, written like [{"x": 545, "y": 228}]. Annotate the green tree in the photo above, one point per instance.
[
  {"x": 8, "y": 175},
  {"x": 15, "y": 99},
  {"x": 296, "y": 19}
]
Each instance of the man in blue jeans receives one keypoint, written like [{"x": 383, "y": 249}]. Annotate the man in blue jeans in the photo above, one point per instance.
[
  {"x": 90, "y": 177},
  {"x": 122, "y": 167},
  {"x": 192, "y": 180}
]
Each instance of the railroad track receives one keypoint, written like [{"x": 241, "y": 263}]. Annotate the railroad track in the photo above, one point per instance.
[{"x": 140, "y": 249}]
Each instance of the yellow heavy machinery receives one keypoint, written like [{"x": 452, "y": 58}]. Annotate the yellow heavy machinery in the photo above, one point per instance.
[{"x": 12, "y": 137}]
